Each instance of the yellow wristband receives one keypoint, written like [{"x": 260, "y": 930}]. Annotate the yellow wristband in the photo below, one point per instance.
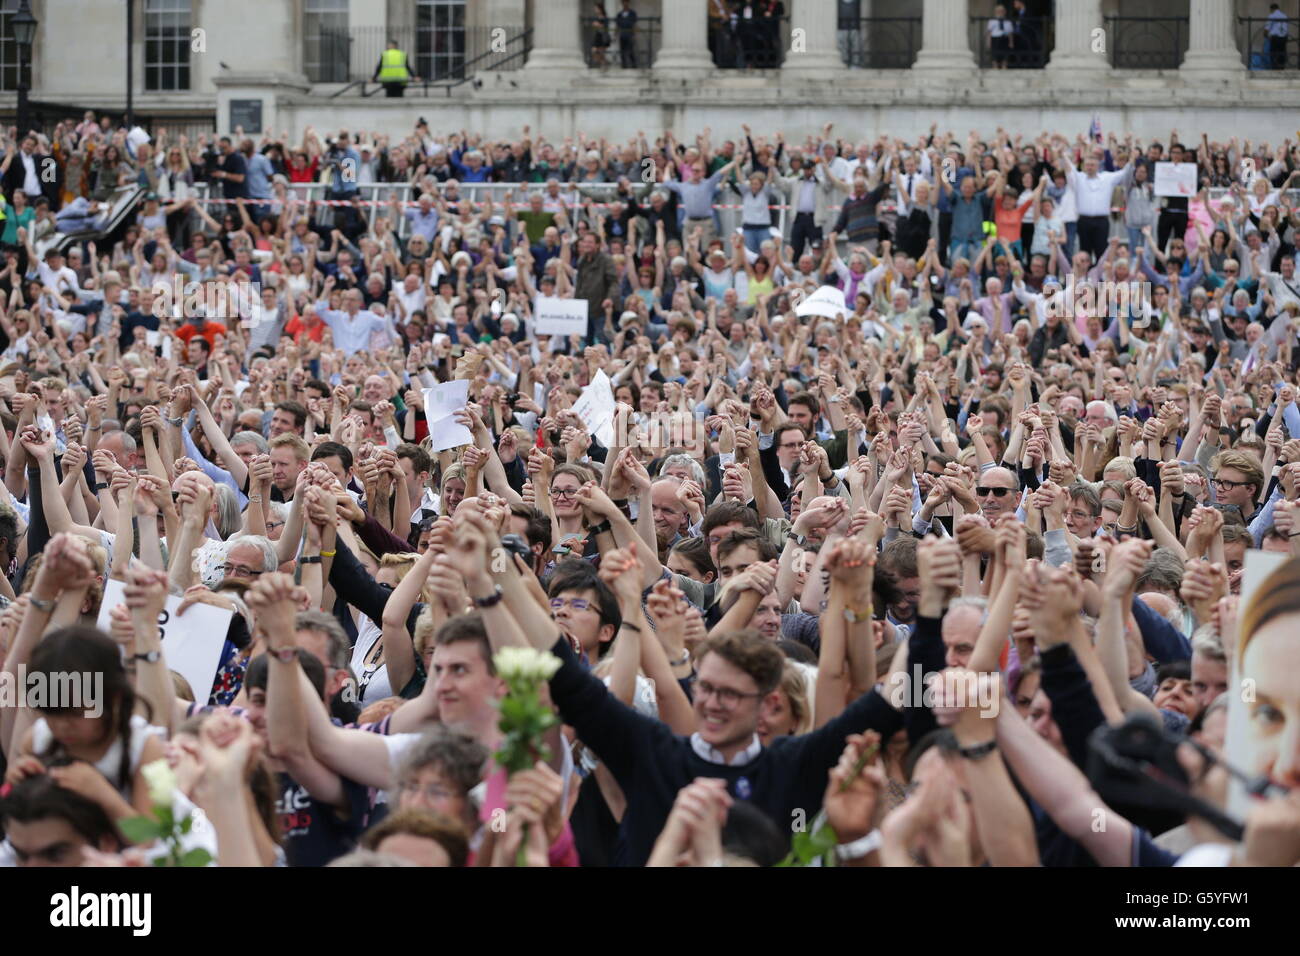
[{"x": 328, "y": 554}]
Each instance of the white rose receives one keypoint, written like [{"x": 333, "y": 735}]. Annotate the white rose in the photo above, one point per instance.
[
  {"x": 161, "y": 781},
  {"x": 525, "y": 663}
]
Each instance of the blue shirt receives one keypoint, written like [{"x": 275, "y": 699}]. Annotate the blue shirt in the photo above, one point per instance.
[
  {"x": 424, "y": 224},
  {"x": 260, "y": 172}
]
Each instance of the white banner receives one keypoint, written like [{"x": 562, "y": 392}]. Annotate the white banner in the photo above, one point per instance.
[
  {"x": 560, "y": 316},
  {"x": 191, "y": 642},
  {"x": 827, "y": 301},
  {"x": 1176, "y": 179},
  {"x": 595, "y": 406}
]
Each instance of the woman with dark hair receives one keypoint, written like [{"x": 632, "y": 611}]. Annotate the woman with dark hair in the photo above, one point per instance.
[
  {"x": 109, "y": 172},
  {"x": 600, "y": 36},
  {"x": 108, "y": 742}
]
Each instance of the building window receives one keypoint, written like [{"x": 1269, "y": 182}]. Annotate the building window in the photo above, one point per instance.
[
  {"x": 325, "y": 40},
  {"x": 167, "y": 45},
  {"x": 8, "y": 48},
  {"x": 440, "y": 39}
]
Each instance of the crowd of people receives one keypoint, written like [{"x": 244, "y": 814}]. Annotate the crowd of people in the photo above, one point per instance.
[{"x": 868, "y": 515}]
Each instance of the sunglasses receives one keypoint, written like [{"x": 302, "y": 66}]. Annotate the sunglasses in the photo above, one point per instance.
[{"x": 984, "y": 492}]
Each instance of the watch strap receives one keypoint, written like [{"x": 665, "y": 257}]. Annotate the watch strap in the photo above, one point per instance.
[{"x": 979, "y": 751}]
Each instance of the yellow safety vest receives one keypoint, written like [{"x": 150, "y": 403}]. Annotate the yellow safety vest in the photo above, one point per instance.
[{"x": 392, "y": 67}]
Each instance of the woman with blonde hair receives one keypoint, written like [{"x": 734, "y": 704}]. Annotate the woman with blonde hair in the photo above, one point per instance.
[
  {"x": 790, "y": 713},
  {"x": 1268, "y": 656}
]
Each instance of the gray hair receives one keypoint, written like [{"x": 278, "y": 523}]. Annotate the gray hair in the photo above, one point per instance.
[
  {"x": 1164, "y": 571},
  {"x": 1107, "y": 409},
  {"x": 227, "y": 520},
  {"x": 978, "y": 603},
  {"x": 277, "y": 509},
  {"x": 338, "y": 646},
  {"x": 270, "y": 560},
  {"x": 684, "y": 461},
  {"x": 1206, "y": 642},
  {"x": 250, "y": 438}
]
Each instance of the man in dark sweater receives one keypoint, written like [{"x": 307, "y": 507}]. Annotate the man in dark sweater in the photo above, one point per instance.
[{"x": 736, "y": 672}]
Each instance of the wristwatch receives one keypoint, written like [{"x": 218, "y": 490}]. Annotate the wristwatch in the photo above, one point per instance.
[
  {"x": 309, "y": 559},
  {"x": 149, "y": 657},
  {"x": 492, "y": 599}
]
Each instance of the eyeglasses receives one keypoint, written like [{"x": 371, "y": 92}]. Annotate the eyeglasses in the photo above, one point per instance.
[
  {"x": 272, "y": 525},
  {"x": 430, "y": 792},
  {"x": 565, "y": 492},
  {"x": 239, "y": 571},
  {"x": 1082, "y": 515},
  {"x": 1225, "y": 483},
  {"x": 727, "y": 696},
  {"x": 984, "y": 491},
  {"x": 578, "y": 604}
]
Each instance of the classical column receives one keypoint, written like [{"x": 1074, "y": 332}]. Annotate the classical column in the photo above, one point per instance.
[
  {"x": 945, "y": 28},
  {"x": 1079, "y": 27},
  {"x": 685, "y": 42},
  {"x": 815, "y": 46},
  {"x": 557, "y": 39},
  {"x": 1211, "y": 44}
]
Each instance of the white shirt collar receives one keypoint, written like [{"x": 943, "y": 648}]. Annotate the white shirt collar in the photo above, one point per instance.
[{"x": 706, "y": 751}]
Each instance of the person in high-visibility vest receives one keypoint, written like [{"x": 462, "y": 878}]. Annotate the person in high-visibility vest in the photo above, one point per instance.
[{"x": 392, "y": 71}]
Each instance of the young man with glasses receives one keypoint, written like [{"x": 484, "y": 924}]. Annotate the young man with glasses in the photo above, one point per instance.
[
  {"x": 737, "y": 672},
  {"x": 1238, "y": 477},
  {"x": 584, "y": 606}
]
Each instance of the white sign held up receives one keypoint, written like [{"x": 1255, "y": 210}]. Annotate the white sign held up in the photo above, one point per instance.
[
  {"x": 560, "y": 316},
  {"x": 595, "y": 406},
  {"x": 440, "y": 406},
  {"x": 1176, "y": 179},
  {"x": 191, "y": 642}
]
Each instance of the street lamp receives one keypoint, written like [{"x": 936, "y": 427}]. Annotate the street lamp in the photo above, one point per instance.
[{"x": 23, "y": 25}]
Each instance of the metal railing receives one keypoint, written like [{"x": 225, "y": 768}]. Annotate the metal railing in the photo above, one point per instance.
[
  {"x": 633, "y": 49},
  {"x": 434, "y": 56},
  {"x": 1146, "y": 43},
  {"x": 503, "y": 54},
  {"x": 1261, "y": 51},
  {"x": 376, "y": 197},
  {"x": 880, "y": 43},
  {"x": 756, "y": 44},
  {"x": 1031, "y": 40}
]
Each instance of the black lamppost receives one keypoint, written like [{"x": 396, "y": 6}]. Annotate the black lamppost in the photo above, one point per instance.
[{"x": 23, "y": 25}]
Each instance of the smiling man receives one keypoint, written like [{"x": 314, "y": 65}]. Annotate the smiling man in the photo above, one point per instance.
[{"x": 738, "y": 673}]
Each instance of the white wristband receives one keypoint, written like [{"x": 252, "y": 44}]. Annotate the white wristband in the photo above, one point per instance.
[{"x": 859, "y": 848}]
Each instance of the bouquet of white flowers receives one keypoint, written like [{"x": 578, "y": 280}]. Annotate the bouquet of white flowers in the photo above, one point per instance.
[{"x": 524, "y": 718}]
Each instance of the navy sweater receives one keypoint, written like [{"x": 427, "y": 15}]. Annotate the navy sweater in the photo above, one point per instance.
[{"x": 652, "y": 764}]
